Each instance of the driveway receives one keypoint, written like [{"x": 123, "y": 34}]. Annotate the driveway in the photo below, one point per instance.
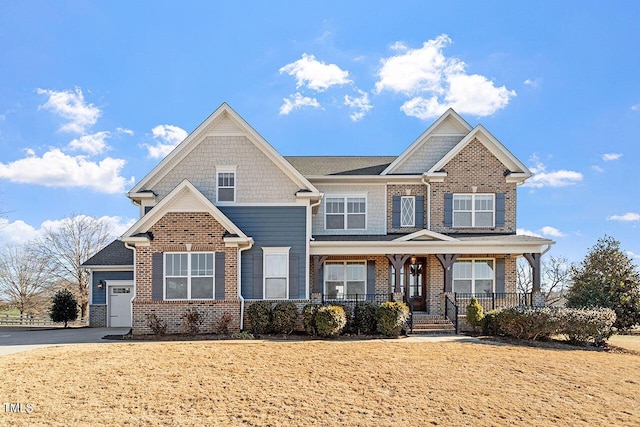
[{"x": 16, "y": 339}]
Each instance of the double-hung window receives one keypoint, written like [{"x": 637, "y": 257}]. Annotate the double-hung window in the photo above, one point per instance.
[
  {"x": 407, "y": 211},
  {"x": 189, "y": 275},
  {"x": 345, "y": 279},
  {"x": 474, "y": 210},
  {"x": 226, "y": 184},
  {"x": 345, "y": 213},
  {"x": 474, "y": 276},
  {"x": 276, "y": 273}
]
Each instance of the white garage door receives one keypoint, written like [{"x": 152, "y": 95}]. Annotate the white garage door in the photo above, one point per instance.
[{"x": 120, "y": 305}]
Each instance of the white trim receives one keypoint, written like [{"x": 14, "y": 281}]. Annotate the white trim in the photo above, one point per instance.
[
  {"x": 411, "y": 224},
  {"x": 109, "y": 267},
  {"x": 195, "y": 137},
  {"x": 345, "y": 198},
  {"x": 188, "y": 276},
  {"x": 365, "y": 179},
  {"x": 425, "y": 233},
  {"x": 473, "y": 273},
  {"x": 344, "y": 263},
  {"x": 227, "y": 169},
  {"x": 424, "y": 137},
  {"x": 275, "y": 251},
  {"x": 473, "y": 210}
]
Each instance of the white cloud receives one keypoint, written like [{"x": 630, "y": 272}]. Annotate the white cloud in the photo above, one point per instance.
[
  {"x": 91, "y": 144},
  {"x": 359, "y": 105},
  {"x": 71, "y": 106},
  {"x": 633, "y": 255},
  {"x": 435, "y": 82},
  {"x": 314, "y": 74},
  {"x": 167, "y": 137},
  {"x": 542, "y": 178},
  {"x": 635, "y": 107},
  {"x": 19, "y": 232},
  {"x": 607, "y": 157},
  {"x": 597, "y": 168},
  {"x": 552, "y": 231},
  {"x": 535, "y": 82},
  {"x": 57, "y": 169},
  {"x": 125, "y": 131},
  {"x": 627, "y": 217},
  {"x": 524, "y": 232},
  {"x": 297, "y": 101}
]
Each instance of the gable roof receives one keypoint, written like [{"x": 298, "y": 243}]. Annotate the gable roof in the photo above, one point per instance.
[
  {"x": 184, "y": 198},
  {"x": 450, "y": 123},
  {"x": 340, "y": 165},
  {"x": 115, "y": 253},
  {"x": 229, "y": 122},
  {"x": 518, "y": 171}
]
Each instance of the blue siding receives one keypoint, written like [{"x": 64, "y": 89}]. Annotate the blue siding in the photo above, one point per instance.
[
  {"x": 100, "y": 295},
  {"x": 270, "y": 226}
]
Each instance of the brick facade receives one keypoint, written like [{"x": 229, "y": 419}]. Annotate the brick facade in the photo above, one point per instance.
[{"x": 404, "y": 190}]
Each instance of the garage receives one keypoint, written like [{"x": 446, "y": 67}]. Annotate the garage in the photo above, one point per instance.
[{"x": 120, "y": 296}]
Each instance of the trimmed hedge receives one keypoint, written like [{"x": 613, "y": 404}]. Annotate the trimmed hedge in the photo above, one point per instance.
[
  {"x": 392, "y": 318},
  {"x": 330, "y": 321},
  {"x": 284, "y": 317},
  {"x": 309, "y": 312},
  {"x": 365, "y": 318},
  {"x": 260, "y": 315},
  {"x": 581, "y": 326},
  {"x": 475, "y": 314}
]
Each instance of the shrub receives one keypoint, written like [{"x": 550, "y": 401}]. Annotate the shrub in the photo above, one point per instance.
[
  {"x": 365, "y": 318},
  {"x": 244, "y": 335},
  {"x": 260, "y": 314},
  {"x": 64, "y": 307},
  {"x": 285, "y": 315},
  {"x": 330, "y": 320},
  {"x": 192, "y": 320},
  {"x": 581, "y": 325},
  {"x": 475, "y": 313},
  {"x": 490, "y": 322},
  {"x": 348, "y": 317},
  {"x": 157, "y": 326},
  {"x": 309, "y": 312},
  {"x": 221, "y": 324},
  {"x": 392, "y": 318}
]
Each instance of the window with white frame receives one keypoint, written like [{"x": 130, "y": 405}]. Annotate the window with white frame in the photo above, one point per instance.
[
  {"x": 474, "y": 210},
  {"x": 407, "y": 211},
  {"x": 226, "y": 185},
  {"x": 345, "y": 213},
  {"x": 189, "y": 275},
  {"x": 345, "y": 279},
  {"x": 275, "y": 273},
  {"x": 475, "y": 276}
]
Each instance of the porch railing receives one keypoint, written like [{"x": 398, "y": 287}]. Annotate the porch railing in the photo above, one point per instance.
[
  {"x": 451, "y": 311},
  {"x": 353, "y": 299},
  {"x": 492, "y": 301}
]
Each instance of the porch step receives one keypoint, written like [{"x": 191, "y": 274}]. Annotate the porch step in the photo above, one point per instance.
[{"x": 430, "y": 324}]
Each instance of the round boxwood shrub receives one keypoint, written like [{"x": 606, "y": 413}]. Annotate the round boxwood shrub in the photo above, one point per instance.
[
  {"x": 330, "y": 320},
  {"x": 259, "y": 314},
  {"x": 365, "y": 318},
  {"x": 348, "y": 317},
  {"x": 309, "y": 312},
  {"x": 392, "y": 318},
  {"x": 285, "y": 315}
]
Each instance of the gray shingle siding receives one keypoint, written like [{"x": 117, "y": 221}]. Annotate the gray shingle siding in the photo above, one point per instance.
[{"x": 271, "y": 226}]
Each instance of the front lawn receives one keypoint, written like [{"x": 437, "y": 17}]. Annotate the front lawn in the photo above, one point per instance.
[{"x": 378, "y": 382}]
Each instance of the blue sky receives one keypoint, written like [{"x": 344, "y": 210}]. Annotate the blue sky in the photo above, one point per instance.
[{"x": 92, "y": 93}]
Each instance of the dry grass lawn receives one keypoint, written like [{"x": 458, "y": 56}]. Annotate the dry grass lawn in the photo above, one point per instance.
[
  {"x": 629, "y": 342},
  {"x": 380, "y": 382}
]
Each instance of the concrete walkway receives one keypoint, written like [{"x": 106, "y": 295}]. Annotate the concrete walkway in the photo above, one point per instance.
[{"x": 14, "y": 339}]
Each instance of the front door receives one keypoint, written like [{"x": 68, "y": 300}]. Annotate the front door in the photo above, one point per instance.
[
  {"x": 415, "y": 270},
  {"x": 120, "y": 305}
]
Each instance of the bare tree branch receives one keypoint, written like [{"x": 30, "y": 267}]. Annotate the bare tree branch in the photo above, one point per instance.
[{"x": 554, "y": 277}]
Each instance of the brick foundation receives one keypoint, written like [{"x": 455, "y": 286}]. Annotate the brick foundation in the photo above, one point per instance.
[{"x": 98, "y": 316}]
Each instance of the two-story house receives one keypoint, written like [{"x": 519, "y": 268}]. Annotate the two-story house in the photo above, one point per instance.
[{"x": 226, "y": 220}]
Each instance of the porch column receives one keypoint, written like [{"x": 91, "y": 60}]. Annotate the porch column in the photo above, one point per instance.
[
  {"x": 398, "y": 262},
  {"x": 318, "y": 262},
  {"x": 447, "y": 261},
  {"x": 534, "y": 262}
]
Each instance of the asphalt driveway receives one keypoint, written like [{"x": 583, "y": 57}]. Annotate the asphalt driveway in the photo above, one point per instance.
[{"x": 14, "y": 339}]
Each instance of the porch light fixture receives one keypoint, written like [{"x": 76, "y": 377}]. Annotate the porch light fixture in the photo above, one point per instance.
[
  {"x": 413, "y": 260},
  {"x": 100, "y": 284}
]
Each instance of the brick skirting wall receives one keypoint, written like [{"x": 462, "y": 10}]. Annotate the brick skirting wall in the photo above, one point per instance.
[{"x": 98, "y": 316}]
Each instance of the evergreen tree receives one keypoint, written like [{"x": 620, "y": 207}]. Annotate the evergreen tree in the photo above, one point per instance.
[
  {"x": 607, "y": 277},
  {"x": 64, "y": 307}
]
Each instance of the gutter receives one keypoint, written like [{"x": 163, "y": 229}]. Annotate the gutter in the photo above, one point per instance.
[
  {"x": 240, "y": 297},
  {"x": 428, "y": 184}
]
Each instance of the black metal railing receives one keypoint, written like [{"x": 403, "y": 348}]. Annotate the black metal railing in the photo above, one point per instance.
[
  {"x": 353, "y": 299},
  {"x": 492, "y": 301},
  {"x": 451, "y": 311}
]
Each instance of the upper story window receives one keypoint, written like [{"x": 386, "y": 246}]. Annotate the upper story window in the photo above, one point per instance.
[
  {"x": 189, "y": 275},
  {"x": 226, "y": 184},
  {"x": 474, "y": 276},
  {"x": 407, "y": 211},
  {"x": 474, "y": 210},
  {"x": 276, "y": 273},
  {"x": 345, "y": 213}
]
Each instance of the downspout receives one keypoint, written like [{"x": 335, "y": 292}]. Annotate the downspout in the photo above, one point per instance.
[
  {"x": 425, "y": 182},
  {"x": 135, "y": 287},
  {"x": 240, "y": 297},
  {"x": 546, "y": 250}
]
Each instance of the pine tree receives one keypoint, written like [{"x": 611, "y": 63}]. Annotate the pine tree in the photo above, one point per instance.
[
  {"x": 607, "y": 277},
  {"x": 64, "y": 307}
]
